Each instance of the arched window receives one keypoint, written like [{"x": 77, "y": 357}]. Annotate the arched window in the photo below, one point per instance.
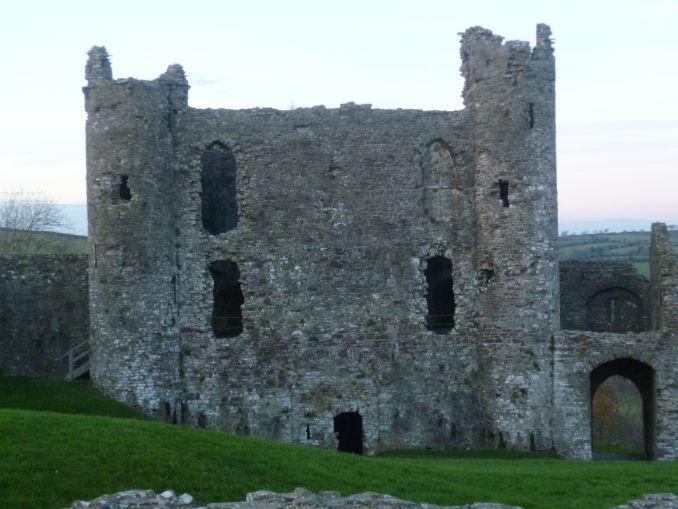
[
  {"x": 440, "y": 295},
  {"x": 615, "y": 310},
  {"x": 218, "y": 197},
  {"x": 438, "y": 178},
  {"x": 228, "y": 299}
]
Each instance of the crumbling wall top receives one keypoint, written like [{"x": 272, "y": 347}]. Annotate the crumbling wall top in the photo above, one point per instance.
[
  {"x": 482, "y": 52},
  {"x": 98, "y": 68},
  {"x": 175, "y": 74}
]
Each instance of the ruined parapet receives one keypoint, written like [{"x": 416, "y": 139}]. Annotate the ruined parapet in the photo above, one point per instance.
[
  {"x": 98, "y": 68},
  {"x": 131, "y": 237},
  {"x": 177, "y": 86},
  {"x": 510, "y": 93},
  {"x": 663, "y": 280}
]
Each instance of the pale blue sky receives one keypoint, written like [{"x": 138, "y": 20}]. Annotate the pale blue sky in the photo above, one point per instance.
[{"x": 616, "y": 77}]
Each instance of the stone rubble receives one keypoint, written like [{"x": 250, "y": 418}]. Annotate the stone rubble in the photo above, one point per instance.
[{"x": 302, "y": 498}]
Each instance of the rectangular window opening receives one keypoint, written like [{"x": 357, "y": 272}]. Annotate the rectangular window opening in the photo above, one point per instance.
[
  {"x": 530, "y": 111},
  {"x": 504, "y": 192},
  {"x": 439, "y": 295},
  {"x": 125, "y": 193},
  {"x": 612, "y": 311}
]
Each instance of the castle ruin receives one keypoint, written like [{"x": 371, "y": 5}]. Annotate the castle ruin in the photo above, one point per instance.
[{"x": 358, "y": 278}]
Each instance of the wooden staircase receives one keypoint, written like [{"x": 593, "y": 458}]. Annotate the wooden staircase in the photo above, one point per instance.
[{"x": 78, "y": 360}]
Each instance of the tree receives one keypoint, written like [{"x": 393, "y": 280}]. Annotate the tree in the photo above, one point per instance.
[
  {"x": 604, "y": 408},
  {"x": 26, "y": 219}
]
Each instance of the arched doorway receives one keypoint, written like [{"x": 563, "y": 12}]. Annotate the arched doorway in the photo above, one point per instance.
[
  {"x": 349, "y": 429},
  {"x": 644, "y": 378}
]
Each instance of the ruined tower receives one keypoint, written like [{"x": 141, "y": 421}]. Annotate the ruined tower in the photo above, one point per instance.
[
  {"x": 510, "y": 93},
  {"x": 131, "y": 234},
  {"x": 349, "y": 277}
]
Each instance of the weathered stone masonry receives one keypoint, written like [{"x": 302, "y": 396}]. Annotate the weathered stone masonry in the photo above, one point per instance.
[
  {"x": 43, "y": 312},
  {"x": 303, "y": 274}
]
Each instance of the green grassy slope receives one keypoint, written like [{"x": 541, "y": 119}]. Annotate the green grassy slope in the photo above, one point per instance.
[
  {"x": 29, "y": 393},
  {"x": 49, "y": 460}
]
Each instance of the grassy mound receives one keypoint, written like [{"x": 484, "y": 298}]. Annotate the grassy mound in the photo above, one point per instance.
[
  {"x": 29, "y": 393},
  {"x": 617, "y": 449},
  {"x": 50, "y": 459}
]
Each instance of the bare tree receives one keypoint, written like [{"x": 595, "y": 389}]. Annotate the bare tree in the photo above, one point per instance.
[{"x": 25, "y": 219}]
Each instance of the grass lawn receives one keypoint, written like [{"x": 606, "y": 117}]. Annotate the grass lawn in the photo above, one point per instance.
[
  {"x": 50, "y": 459},
  {"x": 617, "y": 449},
  {"x": 29, "y": 393}
]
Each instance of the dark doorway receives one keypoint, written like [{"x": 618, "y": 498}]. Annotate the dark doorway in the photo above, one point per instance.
[
  {"x": 440, "y": 295},
  {"x": 349, "y": 429},
  {"x": 228, "y": 299},
  {"x": 218, "y": 197},
  {"x": 644, "y": 378}
]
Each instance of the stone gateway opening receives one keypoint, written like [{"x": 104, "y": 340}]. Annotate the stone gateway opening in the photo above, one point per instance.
[
  {"x": 617, "y": 416},
  {"x": 644, "y": 379},
  {"x": 349, "y": 429},
  {"x": 228, "y": 299},
  {"x": 218, "y": 196},
  {"x": 440, "y": 295}
]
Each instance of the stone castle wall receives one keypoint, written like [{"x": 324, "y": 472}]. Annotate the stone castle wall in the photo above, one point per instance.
[
  {"x": 586, "y": 289},
  {"x": 43, "y": 312},
  {"x": 334, "y": 226},
  {"x": 311, "y": 274},
  {"x": 281, "y": 273}
]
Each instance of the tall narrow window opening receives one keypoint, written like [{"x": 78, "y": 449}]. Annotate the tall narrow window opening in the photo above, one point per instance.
[
  {"x": 218, "y": 197},
  {"x": 228, "y": 299},
  {"x": 349, "y": 429},
  {"x": 530, "y": 111},
  {"x": 125, "y": 193},
  {"x": 440, "y": 295},
  {"x": 612, "y": 302},
  {"x": 504, "y": 192}
]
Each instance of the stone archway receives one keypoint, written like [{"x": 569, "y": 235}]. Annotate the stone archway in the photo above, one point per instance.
[{"x": 643, "y": 377}]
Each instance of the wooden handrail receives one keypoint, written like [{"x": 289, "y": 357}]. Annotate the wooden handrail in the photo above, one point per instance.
[
  {"x": 72, "y": 358},
  {"x": 86, "y": 342}
]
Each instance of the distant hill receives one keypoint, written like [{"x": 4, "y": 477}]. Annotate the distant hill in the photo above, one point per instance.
[
  {"x": 582, "y": 226},
  {"x": 57, "y": 243},
  {"x": 631, "y": 247}
]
